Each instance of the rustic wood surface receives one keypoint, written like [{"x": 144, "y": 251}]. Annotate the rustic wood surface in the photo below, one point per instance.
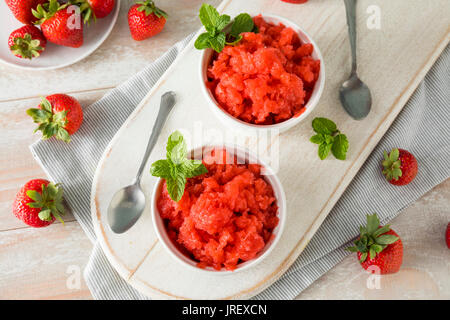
[{"x": 38, "y": 263}]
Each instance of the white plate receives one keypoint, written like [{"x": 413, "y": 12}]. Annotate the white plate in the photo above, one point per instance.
[{"x": 54, "y": 56}]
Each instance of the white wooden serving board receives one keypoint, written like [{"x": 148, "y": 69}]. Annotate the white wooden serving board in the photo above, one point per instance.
[{"x": 392, "y": 61}]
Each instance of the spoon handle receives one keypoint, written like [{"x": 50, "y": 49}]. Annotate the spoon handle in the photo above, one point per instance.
[
  {"x": 350, "y": 7},
  {"x": 167, "y": 103}
]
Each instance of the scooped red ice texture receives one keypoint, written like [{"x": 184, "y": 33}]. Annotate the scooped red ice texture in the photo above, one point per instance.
[
  {"x": 225, "y": 216},
  {"x": 267, "y": 78}
]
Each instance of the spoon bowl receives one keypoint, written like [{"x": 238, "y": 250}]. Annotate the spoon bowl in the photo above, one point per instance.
[
  {"x": 125, "y": 208},
  {"x": 355, "y": 97}
]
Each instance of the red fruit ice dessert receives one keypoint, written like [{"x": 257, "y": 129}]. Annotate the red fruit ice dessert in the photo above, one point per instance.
[
  {"x": 225, "y": 216},
  {"x": 267, "y": 78}
]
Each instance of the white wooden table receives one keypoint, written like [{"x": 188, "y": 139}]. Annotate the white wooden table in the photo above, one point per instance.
[{"x": 44, "y": 263}]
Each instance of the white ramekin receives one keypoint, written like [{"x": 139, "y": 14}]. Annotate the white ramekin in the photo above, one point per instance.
[
  {"x": 229, "y": 120},
  {"x": 242, "y": 155}
]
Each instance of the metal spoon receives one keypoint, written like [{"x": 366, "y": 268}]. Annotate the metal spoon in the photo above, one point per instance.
[
  {"x": 128, "y": 203},
  {"x": 354, "y": 94}
]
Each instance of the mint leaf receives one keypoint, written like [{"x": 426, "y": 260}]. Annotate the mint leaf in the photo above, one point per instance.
[
  {"x": 223, "y": 21},
  {"x": 175, "y": 187},
  {"x": 340, "y": 146},
  {"x": 202, "y": 41},
  {"x": 324, "y": 126},
  {"x": 218, "y": 42},
  {"x": 317, "y": 139},
  {"x": 242, "y": 23},
  {"x": 324, "y": 150},
  {"x": 162, "y": 169},
  {"x": 209, "y": 16},
  {"x": 193, "y": 168},
  {"x": 176, "y": 148}
]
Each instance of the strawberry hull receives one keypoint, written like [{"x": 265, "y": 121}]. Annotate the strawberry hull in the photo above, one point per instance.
[{"x": 21, "y": 9}]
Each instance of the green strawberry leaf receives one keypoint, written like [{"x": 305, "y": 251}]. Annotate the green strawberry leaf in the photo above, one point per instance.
[
  {"x": 386, "y": 239},
  {"x": 62, "y": 134},
  {"x": 372, "y": 253},
  {"x": 39, "y": 115},
  {"x": 381, "y": 230},
  {"x": 372, "y": 223},
  {"x": 363, "y": 257},
  {"x": 34, "y": 195},
  {"x": 45, "y": 215}
]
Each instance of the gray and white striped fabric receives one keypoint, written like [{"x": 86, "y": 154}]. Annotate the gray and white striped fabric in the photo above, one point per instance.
[{"x": 422, "y": 127}]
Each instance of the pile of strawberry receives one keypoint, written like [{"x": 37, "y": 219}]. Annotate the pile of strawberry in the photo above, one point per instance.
[{"x": 60, "y": 23}]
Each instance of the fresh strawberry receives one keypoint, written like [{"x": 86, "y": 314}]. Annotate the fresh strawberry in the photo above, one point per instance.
[
  {"x": 39, "y": 203},
  {"x": 145, "y": 20},
  {"x": 59, "y": 25},
  {"x": 22, "y": 9},
  {"x": 27, "y": 42},
  {"x": 399, "y": 167},
  {"x": 93, "y": 9},
  {"x": 58, "y": 115},
  {"x": 378, "y": 246},
  {"x": 447, "y": 236}
]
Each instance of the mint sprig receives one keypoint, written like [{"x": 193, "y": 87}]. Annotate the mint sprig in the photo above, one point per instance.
[
  {"x": 176, "y": 168},
  {"x": 217, "y": 34},
  {"x": 329, "y": 138}
]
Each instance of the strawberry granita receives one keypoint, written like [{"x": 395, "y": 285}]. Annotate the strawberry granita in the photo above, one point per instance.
[
  {"x": 267, "y": 78},
  {"x": 225, "y": 216}
]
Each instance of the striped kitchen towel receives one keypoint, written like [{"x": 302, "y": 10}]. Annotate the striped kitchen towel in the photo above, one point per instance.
[{"x": 422, "y": 127}]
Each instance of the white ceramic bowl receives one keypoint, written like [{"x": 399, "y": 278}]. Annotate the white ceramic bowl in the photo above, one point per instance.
[
  {"x": 242, "y": 155},
  {"x": 229, "y": 120}
]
